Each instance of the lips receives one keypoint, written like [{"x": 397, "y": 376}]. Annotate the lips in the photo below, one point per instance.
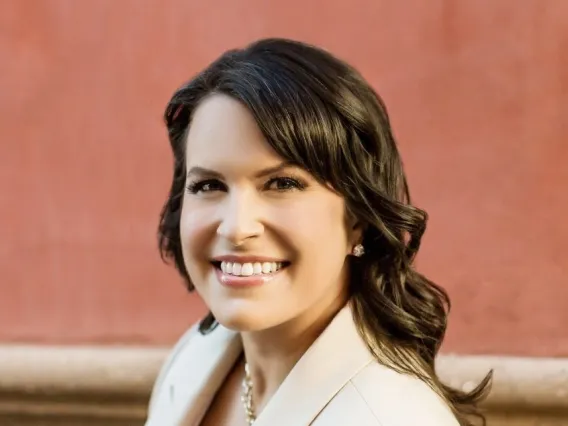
[
  {"x": 246, "y": 271},
  {"x": 246, "y": 258}
]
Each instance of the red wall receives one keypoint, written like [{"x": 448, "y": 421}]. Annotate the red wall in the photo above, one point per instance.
[{"x": 478, "y": 93}]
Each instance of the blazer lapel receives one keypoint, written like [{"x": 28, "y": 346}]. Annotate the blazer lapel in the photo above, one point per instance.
[
  {"x": 204, "y": 365},
  {"x": 333, "y": 359}
]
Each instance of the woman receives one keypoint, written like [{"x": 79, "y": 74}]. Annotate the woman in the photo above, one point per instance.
[{"x": 289, "y": 214}]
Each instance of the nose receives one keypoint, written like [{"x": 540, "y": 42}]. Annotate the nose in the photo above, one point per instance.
[{"x": 240, "y": 219}]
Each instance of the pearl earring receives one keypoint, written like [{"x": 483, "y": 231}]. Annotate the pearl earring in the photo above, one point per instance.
[{"x": 358, "y": 250}]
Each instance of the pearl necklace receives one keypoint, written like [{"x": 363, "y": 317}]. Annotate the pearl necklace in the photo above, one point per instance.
[{"x": 246, "y": 397}]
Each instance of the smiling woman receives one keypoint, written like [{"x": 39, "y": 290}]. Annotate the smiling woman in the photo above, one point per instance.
[
  {"x": 289, "y": 214},
  {"x": 248, "y": 208}
]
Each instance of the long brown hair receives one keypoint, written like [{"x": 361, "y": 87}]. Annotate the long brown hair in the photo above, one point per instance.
[{"x": 319, "y": 113}]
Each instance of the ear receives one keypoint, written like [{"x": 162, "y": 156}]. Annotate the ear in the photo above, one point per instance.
[
  {"x": 357, "y": 234},
  {"x": 356, "y": 231}
]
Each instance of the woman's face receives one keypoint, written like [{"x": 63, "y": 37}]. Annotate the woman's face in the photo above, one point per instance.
[{"x": 263, "y": 242}]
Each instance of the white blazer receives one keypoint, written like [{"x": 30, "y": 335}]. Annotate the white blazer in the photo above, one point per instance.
[{"x": 337, "y": 382}]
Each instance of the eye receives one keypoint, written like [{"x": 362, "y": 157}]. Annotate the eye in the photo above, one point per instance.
[
  {"x": 203, "y": 186},
  {"x": 285, "y": 184}
]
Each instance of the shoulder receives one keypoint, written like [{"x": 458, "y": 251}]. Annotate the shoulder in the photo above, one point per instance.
[
  {"x": 173, "y": 357},
  {"x": 192, "y": 363},
  {"x": 397, "y": 399}
]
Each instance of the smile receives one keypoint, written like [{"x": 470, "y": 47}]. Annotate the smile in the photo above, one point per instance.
[
  {"x": 233, "y": 271},
  {"x": 248, "y": 269}
]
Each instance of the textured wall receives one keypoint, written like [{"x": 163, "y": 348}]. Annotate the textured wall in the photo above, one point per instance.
[{"x": 478, "y": 94}]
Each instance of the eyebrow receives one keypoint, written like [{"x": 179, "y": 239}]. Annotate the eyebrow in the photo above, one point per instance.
[{"x": 201, "y": 171}]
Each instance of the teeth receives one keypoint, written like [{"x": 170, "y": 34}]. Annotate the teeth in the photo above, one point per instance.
[
  {"x": 227, "y": 267},
  {"x": 237, "y": 267},
  {"x": 248, "y": 269}
]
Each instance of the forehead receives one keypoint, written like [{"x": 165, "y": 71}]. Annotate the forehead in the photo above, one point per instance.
[{"x": 222, "y": 132}]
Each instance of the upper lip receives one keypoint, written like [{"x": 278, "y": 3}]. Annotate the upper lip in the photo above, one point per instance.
[{"x": 245, "y": 259}]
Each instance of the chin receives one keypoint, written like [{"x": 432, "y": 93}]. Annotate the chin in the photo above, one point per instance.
[{"x": 243, "y": 320}]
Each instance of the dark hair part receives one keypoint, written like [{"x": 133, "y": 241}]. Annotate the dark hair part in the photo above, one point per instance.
[{"x": 319, "y": 113}]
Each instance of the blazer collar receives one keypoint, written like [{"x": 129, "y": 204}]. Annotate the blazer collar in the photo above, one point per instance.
[
  {"x": 204, "y": 364},
  {"x": 336, "y": 356}
]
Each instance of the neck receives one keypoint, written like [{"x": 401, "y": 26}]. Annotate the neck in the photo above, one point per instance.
[{"x": 271, "y": 354}]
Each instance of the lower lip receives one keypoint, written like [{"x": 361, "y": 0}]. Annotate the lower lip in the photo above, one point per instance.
[{"x": 243, "y": 282}]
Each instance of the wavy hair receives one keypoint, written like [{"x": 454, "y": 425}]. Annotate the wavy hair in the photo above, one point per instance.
[{"x": 319, "y": 113}]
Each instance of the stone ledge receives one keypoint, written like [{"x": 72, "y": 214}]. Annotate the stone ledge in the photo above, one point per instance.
[
  {"x": 111, "y": 385},
  {"x": 51, "y": 385},
  {"x": 527, "y": 384}
]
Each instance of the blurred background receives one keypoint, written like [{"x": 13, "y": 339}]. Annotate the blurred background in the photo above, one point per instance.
[{"x": 478, "y": 96}]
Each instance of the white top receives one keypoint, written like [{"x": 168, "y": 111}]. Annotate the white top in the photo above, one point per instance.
[{"x": 337, "y": 382}]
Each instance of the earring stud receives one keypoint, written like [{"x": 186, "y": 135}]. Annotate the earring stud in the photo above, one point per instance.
[{"x": 358, "y": 250}]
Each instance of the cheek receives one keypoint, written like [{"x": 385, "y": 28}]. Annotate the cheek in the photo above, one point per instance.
[
  {"x": 319, "y": 236},
  {"x": 318, "y": 229},
  {"x": 195, "y": 227}
]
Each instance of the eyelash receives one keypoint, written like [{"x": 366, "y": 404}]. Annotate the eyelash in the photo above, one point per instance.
[
  {"x": 196, "y": 187},
  {"x": 292, "y": 183}
]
